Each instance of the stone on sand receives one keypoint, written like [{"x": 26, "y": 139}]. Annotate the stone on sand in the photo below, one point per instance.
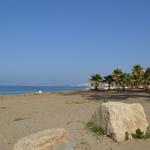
[
  {"x": 117, "y": 118},
  {"x": 50, "y": 139}
]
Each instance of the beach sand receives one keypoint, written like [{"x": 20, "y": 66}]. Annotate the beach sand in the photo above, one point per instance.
[{"x": 22, "y": 115}]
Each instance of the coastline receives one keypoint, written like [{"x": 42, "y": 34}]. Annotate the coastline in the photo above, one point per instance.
[{"x": 10, "y": 90}]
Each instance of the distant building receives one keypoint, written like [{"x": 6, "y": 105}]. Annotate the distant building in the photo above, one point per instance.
[{"x": 104, "y": 86}]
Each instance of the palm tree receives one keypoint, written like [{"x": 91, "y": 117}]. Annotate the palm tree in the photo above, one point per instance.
[
  {"x": 129, "y": 80},
  {"x": 117, "y": 76},
  {"x": 137, "y": 74},
  {"x": 109, "y": 80},
  {"x": 146, "y": 79},
  {"x": 147, "y": 72},
  {"x": 95, "y": 80},
  {"x": 126, "y": 81}
]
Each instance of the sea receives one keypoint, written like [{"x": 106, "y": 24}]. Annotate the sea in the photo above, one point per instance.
[{"x": 34, "y": 89}]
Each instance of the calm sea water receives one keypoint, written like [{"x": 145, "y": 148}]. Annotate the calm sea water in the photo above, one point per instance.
[{"x": 32, "y": 89}]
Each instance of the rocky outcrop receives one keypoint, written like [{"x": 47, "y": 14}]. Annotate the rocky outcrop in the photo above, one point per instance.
[
  {"x": 51, "y": 139},
  {"x": 118, "y": 118}
]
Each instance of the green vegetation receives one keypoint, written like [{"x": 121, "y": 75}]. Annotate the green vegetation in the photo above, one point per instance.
[
  {"x": 126, "y": 136},
  {"x": 140, "y": 135},
  {"x": 95, "y": 128},
  {"x": 146, "y": 79},
  {"x": 137, "y": 74},
  {"x": 109, "y": 79},
  {"x": 138, "y": 78},
  {"x": 117, "y": 76},
  {"x": 95, "y": 80}
]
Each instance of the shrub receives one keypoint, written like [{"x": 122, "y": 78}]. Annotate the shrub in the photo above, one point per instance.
[
  {"x": 138, "y": 134},
  {"x": 95, "y": 128},
  {"x": 126, "y": 136}
]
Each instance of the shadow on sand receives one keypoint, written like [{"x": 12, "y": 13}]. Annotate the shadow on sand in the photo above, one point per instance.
[{"x": 111, "y": 95}]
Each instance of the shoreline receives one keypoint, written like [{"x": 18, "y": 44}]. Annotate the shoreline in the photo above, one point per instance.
[
  {"x": 36, "y": 92},
  {"x": 78, "y": 91}
]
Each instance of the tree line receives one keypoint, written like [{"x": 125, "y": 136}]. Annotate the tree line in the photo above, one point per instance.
[{"x": 138, "y": 78}]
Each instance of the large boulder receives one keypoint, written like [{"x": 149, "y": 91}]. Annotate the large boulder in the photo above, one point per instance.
[
  {"x": 50, "y": 139},
  {"x": 118, "y": 118}
]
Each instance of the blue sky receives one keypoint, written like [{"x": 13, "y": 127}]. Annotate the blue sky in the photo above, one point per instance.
[{"x": 63, "y": 42}]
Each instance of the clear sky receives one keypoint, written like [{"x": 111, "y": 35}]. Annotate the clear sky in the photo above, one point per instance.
[{"x": 63, "y": 42}]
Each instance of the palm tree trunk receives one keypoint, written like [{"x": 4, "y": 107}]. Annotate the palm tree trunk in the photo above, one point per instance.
[{"x": 108, "y": 86}]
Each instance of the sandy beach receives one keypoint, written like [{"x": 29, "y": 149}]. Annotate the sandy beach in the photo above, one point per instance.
[{"x": 24, "y": 114}]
